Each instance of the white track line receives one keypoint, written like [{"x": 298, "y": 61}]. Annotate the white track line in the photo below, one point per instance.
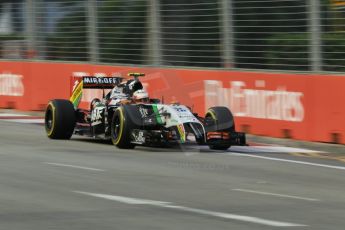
[
  {"x": 262, "y": 149},
  {"x": 12, "y": 115},
  {"x": 275, "y": 194},
  {"x": 73, "y": 166},
  {"x": 26, "y": 121},
  {"x": 286, "y": 160},
  {"x": 270, "y": 149},
  {"x": 162, "y": 204}
]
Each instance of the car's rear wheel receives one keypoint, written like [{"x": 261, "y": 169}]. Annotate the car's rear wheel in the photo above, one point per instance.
[
  {"x": 219, "y": 119},
  {"x": 60, "y": 119}
]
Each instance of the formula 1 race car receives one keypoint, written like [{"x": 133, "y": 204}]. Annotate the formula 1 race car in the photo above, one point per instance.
[{"x": 128, "y": 117}]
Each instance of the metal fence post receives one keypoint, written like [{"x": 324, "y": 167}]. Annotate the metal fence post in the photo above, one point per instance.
[
  {"x": 227, "y": 33},
  {"x": 39, "y": 32},
  {"x": 92, "y": 31},
  {"x": 30, "y": 30},
  {"x": 315, "y": 35},
  {"x": 154, "y": 42}
]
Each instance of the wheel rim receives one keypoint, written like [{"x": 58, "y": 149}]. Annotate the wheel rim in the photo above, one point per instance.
[
  {"x": 49, "y": 120},
  {"x": 116, "y": 128}
]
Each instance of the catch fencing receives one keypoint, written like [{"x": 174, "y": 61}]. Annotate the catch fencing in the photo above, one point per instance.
[{"x": 283, "y": 35}]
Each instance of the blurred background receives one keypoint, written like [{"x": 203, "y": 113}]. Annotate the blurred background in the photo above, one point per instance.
[{"x": 286, "y": 35}]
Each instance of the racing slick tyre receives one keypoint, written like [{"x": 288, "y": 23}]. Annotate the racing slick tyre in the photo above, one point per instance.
[
  {"x": 219, "y": 119},
  {"x": 60, "y": 119},
  {"x": 123, "y": 122}
]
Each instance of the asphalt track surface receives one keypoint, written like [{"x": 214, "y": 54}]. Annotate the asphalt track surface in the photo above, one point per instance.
[{"x": 88, "y": 184}]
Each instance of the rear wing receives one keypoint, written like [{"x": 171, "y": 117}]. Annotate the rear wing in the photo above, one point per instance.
[
  {"x": 90, "y": 82},
  {"x": 101, "y": 82}
]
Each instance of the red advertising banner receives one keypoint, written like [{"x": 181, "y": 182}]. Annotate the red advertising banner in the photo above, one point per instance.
[{"x": 304, "y": 107}]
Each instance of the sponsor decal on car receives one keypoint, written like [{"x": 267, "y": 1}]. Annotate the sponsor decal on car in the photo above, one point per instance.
[
  {"x": 138, "y": 137},
  {"x": 100, "y": 80},
  {"x": 96, "y": 115},
  {"x": 143, "y": 111}
]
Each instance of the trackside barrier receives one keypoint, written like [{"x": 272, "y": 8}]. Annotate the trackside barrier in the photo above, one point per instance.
[{"x": 304, "y": 107}]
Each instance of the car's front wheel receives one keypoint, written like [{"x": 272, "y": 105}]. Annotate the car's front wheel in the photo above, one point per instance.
[{"x": 121, "y": 127}]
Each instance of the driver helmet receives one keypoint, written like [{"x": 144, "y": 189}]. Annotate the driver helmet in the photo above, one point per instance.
[
  {"x": 134, "y": 85},
  {"x": 141, "y": 96}
]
